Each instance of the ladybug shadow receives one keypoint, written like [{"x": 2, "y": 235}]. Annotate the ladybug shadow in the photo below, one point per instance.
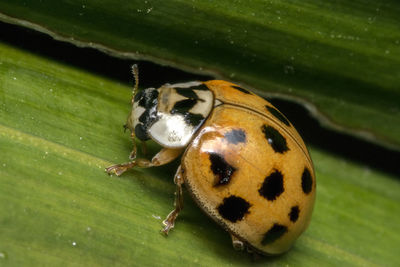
[{"x": 213, "y": 238}]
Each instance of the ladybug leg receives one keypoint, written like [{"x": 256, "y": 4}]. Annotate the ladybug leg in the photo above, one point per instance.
[
  {"x": 169, "y": 222},
  {"x": 164, "y": 156},
  {"x": 119, "y": 169},
  {"x": 132, "y": 156},
  {"x": 237, "y": 243},
  {"x": 144, "y": 148}
]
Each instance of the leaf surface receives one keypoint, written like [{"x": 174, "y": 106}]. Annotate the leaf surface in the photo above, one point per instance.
[{"x": 59, "y": 128}]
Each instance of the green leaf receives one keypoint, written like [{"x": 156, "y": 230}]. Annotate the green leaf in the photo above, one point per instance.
[
  {"x": 59, "y": 128},
  {"x": 341, "y": 59}
]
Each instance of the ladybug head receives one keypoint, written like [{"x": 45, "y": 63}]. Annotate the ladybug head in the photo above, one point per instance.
[{"x": 144, "y": 113}]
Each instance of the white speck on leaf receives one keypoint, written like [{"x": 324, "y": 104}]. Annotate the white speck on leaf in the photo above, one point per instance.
[{"x": 288, "y": 69}]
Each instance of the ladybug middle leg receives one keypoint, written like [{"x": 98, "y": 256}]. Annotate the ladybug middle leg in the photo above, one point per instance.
[
  {"x": 164, "y": 156},
  {"x": 169, "y": 222}
]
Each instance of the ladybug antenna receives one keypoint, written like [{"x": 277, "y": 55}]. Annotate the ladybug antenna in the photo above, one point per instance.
[{"x": 135, "y": 72}]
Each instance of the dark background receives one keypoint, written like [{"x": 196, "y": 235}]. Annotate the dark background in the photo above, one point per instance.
[{"x": 153, "y": 75}]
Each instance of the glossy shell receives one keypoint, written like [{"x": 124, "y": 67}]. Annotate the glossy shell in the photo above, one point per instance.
[{"x": 249, "y": 170}]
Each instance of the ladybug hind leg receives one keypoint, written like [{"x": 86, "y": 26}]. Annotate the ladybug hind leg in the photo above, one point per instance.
[
  {"x": 164, "y": 156},
  {"x": 169, "y": 222},
  {"x": 237, "y": 243}
]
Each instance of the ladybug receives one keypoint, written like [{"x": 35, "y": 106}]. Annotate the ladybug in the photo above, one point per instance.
[{"x": 243, "y": 162}]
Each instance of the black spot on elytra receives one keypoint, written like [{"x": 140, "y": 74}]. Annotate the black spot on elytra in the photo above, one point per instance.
[
  {"x": 294, "y": 213},
  {"x": 272, "y": 187},
  {"x": 236, "y": 136},
  {"x": 277, "y": 114},
  {"x": 183, "y": 106},
  {"x": 222, "y": 170},
  {"x": 306, "y": 181},
  {"x": 241, "y": 89},
  {"x": 274, "y": 233},
  {"x": 233, "y": 208},
  {"x": 275, "y": 139}
]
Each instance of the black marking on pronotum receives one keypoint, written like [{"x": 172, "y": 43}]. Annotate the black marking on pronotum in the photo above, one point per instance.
[
  {"x": 194, "y": 119},
  {"x": 222, "y": 170},
  {"x": 149, "y": 115},
  {"x": 306, "y": 181},
  {"x": 241, "y": 89},
  {"x": 233, "y": 208},
  {"x": 190, "y": 94},
  {"x": 277, "y": 114},
  {"x": 200, "y": 87},
  {"x": 274, "y": 233},
  {"x": 145, "y": 116},
  {"x": 294, "y": 213},
  {"x": 147, "y": 97},
  {"x": 183, "y": 106},
  {"x": 275, "y": 139},
  {"x": 138, "y": 96},
  {"x": 272, "y": 187},
  {"x": 148, "y": 100},
  {"x": 236, "y": 136}
]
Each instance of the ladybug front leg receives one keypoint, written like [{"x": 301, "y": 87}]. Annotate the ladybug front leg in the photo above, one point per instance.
[
  {"x": 169, "y": 222},
  {"x": 132, "y": 155},
  {"x": 166, "y": 155}
]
